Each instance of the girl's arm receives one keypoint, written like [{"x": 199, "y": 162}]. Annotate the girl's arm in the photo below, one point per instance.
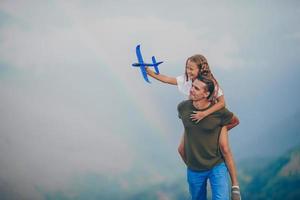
[
  {"x": 161, "y": 77},
  {"x": 198, "y": 115},
  {"x": 217, "y": 106}
]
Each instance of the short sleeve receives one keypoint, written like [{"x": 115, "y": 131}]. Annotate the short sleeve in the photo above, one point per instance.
[
  {"x": 179, "y": 109},
  {"x": 184, "y": 86},
  {"x": 220, "y": 92},
  {"x": 226, "y": 117}
]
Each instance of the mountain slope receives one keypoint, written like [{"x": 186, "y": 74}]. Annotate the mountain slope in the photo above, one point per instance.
[{"x": 278, "y": 180}]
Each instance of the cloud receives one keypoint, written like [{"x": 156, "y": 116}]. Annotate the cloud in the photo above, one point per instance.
[
  {"x": 48, "y": 139},
  {"x": 293, "y": 36},
  {"x": 76, "y": 35}
]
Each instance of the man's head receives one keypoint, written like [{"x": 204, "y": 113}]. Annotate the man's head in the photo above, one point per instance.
[{"x": 202, "y": 88}]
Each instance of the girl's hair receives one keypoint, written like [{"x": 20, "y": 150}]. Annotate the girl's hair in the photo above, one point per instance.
[{"x": 204, "y": 71}]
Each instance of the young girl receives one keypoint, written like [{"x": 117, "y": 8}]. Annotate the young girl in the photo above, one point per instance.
[{"x": 195, "y": 65}]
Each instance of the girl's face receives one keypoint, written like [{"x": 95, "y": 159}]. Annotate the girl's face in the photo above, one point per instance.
[{"x": 192, "y": 70}]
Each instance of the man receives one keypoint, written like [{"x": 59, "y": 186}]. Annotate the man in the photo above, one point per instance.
[{"x": 202, "y": 154}]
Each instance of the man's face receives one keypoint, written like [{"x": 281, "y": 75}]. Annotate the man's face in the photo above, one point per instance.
[{"x": 198, "y": 91}]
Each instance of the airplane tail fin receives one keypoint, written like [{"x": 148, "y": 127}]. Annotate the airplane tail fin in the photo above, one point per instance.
[{"x": 155, "y": 65}]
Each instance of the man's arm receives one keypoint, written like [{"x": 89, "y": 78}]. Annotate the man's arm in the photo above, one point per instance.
[{"x": 181, "y": 149}]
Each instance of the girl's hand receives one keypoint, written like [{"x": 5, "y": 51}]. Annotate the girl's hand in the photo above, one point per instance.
[{"x": 198, "y": 115}]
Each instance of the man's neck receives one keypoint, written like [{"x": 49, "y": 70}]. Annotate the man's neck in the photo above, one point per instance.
[{"x": 201, "y": 104}]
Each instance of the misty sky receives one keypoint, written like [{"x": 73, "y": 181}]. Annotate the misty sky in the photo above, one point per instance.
[{"x": 71, "y": 104}]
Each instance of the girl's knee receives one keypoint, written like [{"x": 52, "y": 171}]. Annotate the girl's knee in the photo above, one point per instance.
[{"x": 180, "y": 150}]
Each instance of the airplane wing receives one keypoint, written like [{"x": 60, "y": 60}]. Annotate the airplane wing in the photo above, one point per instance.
[{"x": 141, "y": 62}]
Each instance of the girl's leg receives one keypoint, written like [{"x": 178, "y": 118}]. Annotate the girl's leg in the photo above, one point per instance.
[
  {"x": 181, "y": 148},
  {"x": 224, "y": 146}
]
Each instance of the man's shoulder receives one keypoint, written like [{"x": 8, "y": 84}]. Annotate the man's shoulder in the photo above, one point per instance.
[
  {"x": 183, "y": 104},
  {"x": 223, "y": 112}
]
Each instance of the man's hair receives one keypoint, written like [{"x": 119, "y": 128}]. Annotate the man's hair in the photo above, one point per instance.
[{"x": 210, "y": 86}]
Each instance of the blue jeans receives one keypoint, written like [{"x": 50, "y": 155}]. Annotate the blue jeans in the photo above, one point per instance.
[{"x": 218, "y": 177}]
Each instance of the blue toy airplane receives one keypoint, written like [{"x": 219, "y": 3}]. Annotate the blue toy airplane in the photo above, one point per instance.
[{"x": 143, "y": 65}]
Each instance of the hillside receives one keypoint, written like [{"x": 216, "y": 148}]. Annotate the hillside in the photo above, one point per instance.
[{"x": 280, "y": 179}]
